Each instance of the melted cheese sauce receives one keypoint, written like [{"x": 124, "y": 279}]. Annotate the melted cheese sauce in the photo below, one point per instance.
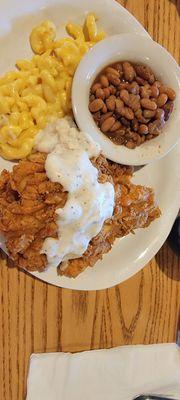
[{"x": 89, "y": 202}]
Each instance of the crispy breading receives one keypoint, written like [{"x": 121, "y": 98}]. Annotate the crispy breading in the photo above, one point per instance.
[
  {"x": 134, "y": 208},
  {"x": 28, "y": 203}
]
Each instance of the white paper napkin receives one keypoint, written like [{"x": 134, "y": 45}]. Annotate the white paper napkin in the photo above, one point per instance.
[{"x": 116, "y": 374}]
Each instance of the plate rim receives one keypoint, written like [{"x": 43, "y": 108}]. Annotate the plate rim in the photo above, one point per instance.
[{"x": 73, "y": 283}]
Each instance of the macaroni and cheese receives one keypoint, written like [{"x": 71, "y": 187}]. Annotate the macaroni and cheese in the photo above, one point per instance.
[{"x": 41, "y": 87}]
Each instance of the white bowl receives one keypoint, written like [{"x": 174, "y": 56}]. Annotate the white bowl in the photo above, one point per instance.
[{"x": 135, "y": 48}]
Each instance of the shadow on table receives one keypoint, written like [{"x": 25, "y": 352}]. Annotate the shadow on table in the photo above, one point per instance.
[
  {"x": 168, "y": 262},
  {"x": 4, "y": 256},
  {"x": 177, "y": 5}
]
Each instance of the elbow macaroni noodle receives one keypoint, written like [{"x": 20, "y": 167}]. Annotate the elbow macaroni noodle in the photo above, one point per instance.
[{"x": 41, "y": 87}]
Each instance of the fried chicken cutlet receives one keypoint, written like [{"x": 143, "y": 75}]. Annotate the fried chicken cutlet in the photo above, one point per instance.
[
  {"x": 28, "y": 204},
  {"x": 28, "y": 201}
]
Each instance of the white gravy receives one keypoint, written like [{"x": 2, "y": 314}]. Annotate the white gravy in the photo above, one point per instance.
[{"x": 89, "y": 202}]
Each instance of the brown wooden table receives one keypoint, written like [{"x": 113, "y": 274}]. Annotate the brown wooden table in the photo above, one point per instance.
[{"x": 36, "y": 317}]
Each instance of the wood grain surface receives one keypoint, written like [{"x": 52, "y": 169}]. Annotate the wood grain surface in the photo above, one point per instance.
[{"x": 36, "y": 317}]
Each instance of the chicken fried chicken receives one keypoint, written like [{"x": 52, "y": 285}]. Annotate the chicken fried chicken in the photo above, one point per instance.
[
  {"x": 134, "y": 208},
  {"x": 28, "y": 204},
  {"x": 28, "y": 201}
]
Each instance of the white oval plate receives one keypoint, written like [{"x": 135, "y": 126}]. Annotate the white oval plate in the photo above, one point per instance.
[{"x": 130, "y": 253}]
